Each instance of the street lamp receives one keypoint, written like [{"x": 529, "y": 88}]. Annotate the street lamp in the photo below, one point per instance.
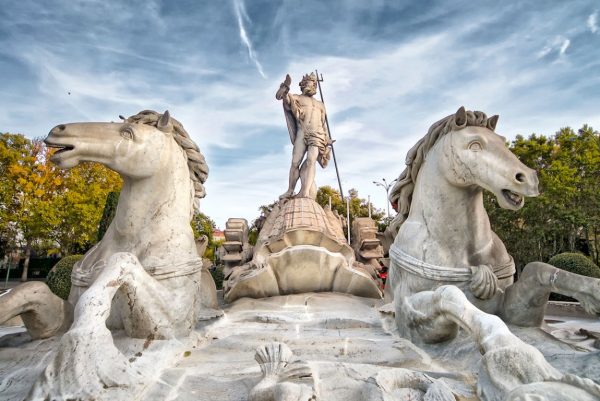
[{"x": 387, "y": 187}]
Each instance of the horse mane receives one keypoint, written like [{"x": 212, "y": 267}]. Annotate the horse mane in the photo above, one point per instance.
[
  {"x": 195, "y": 160},
  {"x": 402, "y": 191}
]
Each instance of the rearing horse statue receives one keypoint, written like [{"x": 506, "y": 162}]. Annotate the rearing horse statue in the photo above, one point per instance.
[
  {"x": 448, "y": 268},
  {"x": 163, "y": 172},
  {"x": 145, "y": 274}
]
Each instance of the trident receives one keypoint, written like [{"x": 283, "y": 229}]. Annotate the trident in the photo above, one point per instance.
[{"x": 337, "y": 172}]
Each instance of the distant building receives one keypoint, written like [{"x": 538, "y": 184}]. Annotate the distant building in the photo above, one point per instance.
[{"x": 218, "y": 235}]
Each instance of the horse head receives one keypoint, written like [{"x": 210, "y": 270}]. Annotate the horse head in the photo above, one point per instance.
[
  {"x": 129, "y": 148},
  {"x": 163, "y": 171},
  {"x": 459, "y": 153},
  {"x": 474, "y": 155}
]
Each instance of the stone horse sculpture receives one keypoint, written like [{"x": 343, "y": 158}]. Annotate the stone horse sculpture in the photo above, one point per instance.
[
  {"x": 145, "y": 274},
  {"x": 448, "y": 268}
]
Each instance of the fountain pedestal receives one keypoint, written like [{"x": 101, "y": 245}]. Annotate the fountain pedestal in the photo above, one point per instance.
[{"x": 301, "y": 248}]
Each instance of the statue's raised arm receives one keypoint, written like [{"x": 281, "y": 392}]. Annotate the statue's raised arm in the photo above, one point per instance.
[{"x": 284, "y": 89}]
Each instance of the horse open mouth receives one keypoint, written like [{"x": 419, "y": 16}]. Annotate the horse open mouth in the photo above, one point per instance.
[
  {"x": 512, "y": 197},
  {"x": 60, "y": 148}
]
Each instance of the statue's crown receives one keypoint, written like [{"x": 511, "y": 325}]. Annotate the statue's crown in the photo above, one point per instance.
[{"x": 309, "y": 77}]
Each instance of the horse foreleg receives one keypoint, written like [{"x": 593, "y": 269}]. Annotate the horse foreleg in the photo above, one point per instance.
[
  {"x": 507, "y": 362},
  {"x": 159, "y": 309},
  {"x": 435, "y": 316},
  {"x": 44, "y": 313},
  {"x": 525, "y": 300},
  {"x": 87, "y": 363},
  {"x": 149, "y": 308}
]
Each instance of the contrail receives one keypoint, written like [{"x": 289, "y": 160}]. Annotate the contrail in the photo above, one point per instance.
[{"x": 240, "y": 12}]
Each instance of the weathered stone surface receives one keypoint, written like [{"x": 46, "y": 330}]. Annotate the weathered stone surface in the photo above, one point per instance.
[
  {"x": 301, "y": 248},
  {"x": 208, "y": 288},
  {"x": 332, "y": 333},
  {"x": 367, "y": 247},
  {"x": 236, "y": 250},
  {"x": 287, "y": 379},
  {"x": 345, "y": 341}
]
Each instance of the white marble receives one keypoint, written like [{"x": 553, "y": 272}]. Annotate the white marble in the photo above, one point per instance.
[
  {"x": 306, "y": 121},
  {"x": 448, "y": 268},
  {"x": 145, "y": 274}
]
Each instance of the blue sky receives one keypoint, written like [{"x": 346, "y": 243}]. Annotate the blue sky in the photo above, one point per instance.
[{"x": 391, "y": 69}]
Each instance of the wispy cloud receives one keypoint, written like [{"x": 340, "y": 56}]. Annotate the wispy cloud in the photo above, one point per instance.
[
  {"x": 391, "y": 69},
  {"x": 592, "y": 22},
  {"x": 564, "y": 46},
  {"x": 241, "y": 14},
  {"x": 558, "y": 46}
]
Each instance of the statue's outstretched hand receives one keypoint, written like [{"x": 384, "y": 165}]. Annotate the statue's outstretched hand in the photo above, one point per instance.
[
  {"x": 484, "y": 283},
  {"x": 284, "y": 88}
]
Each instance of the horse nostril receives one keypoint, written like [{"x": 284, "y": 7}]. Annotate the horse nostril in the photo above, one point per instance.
[{"x": 520, "y": 177}]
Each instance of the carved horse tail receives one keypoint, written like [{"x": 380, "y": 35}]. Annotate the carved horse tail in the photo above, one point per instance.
[{"x": 44, "y": 313}]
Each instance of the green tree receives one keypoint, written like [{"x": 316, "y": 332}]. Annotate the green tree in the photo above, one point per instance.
[
  {"x": 108, "y": 214},
  {"x": 359, "y": 207},
  {"x": 566, "y": 215},
  {"x": 258, "y": 223},
  {"x": 204, "y": 225}
]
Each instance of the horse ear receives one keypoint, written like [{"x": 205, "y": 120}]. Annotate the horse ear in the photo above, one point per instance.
[
  {"x": 492, "y": 121},
  {"x": 460, "y": 118},
  {"x": 164, "y": 124}
]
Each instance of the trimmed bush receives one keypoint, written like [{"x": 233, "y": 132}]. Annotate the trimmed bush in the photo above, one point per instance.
[
  {"x": 59, "y": 278},
  {"x": 574, "y": 263}
]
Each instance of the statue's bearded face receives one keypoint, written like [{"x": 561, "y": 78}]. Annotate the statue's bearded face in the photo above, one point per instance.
[{"x": 308, "y": 87}]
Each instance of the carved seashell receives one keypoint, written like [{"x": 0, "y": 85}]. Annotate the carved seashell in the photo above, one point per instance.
[{"x": 273, "y": 358}]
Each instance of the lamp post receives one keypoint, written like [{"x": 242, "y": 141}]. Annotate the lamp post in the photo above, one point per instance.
[{"x": 387, "y": 187}]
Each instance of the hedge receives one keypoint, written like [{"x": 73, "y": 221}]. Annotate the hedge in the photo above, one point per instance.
[{"x": 574, "y": 263}]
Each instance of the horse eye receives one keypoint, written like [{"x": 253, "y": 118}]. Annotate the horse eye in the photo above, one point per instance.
[
  {"x": 127, "y": 133},
  {"x": 475, "y": 146}
]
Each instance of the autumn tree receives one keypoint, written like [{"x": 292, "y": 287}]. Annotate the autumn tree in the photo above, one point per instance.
[
  {"x": 46, "y": 209},
  {"x": 29, "y": 186},
  {"x": 86, "y": 187},
  {"x": 13, "y": 151}
]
